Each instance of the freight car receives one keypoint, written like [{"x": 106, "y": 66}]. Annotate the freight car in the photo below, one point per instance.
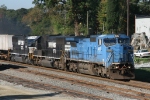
[
  {"x": 108, "y": 55},
  {"x": 5, "y": 46}
]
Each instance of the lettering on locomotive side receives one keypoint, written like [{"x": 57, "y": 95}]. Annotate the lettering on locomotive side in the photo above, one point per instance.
[
  {"x": 67, "y": 47},
  {"x": 20, "y": 42},
  {"x": 51, "y": 44}
]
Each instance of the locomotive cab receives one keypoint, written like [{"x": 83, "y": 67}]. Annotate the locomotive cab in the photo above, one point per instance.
[{"x": 118, "y": 58}]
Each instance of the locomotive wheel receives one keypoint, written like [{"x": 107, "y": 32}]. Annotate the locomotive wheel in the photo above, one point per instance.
[
  {"x": 12, "y": 58},
  {"x": 97, "y": 74},
  {"x": 111, "y": 77},
  {"x": 65, "y": 68},
  {"x": 8, "y": 58},
  {"x": 108, "y": 76},
  {"x": 102, "y": 75},
  {"x": 126, "y": 80},
  {"x": 26, "y": 61},
  {"x": 56, "y": 64},
  {"x": 78, "y": 70},
  {"x": 31, "y": 62}
]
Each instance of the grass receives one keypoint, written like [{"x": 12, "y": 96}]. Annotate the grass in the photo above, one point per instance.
[
  {"x": 139, "y": 60},
  {"x": 142, "y": 74}
]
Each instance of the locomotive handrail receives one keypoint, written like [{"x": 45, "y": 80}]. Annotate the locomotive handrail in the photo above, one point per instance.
[{"x": 109, "y": 56}]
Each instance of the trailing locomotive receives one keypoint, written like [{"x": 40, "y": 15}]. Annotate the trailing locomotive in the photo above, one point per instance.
[{"x": 108, "y": 55}]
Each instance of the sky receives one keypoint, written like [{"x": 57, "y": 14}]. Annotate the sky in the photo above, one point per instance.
[{"x": 17, "y": 4}]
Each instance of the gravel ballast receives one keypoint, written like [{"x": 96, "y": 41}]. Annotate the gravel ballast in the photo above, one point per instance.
[
  {"x": 63, "y": 84},
  {"x": 67, "y": 85}
]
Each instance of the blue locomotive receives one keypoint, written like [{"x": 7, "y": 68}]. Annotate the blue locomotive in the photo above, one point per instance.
[{"x": 107, "y": 55}]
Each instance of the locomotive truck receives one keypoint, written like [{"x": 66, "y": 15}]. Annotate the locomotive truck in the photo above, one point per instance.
[{"x": 106, "y": 55}]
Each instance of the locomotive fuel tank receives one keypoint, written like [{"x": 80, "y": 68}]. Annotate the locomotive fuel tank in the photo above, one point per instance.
[
  {"x": 47, "y": 63},
  {"x": 87, "y": 69},
  {"x": 18, "y": 59}
]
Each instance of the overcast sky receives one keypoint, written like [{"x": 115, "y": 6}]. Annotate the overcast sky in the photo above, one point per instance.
[{"x": 17, "y": 4}]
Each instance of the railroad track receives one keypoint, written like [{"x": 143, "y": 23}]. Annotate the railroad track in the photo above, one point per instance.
[
  {"x": 37, "y": 85},
  {"x": 132, "y": 83},
  {"x": 110, "y": 89}
]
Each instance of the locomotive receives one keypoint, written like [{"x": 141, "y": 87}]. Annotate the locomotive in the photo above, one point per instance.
[{"x": 108, "y": 55}]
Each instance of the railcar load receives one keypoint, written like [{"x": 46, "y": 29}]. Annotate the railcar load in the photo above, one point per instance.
[
  {"x": 5, "y": 46},
  {"x": 108, "y": 55}
]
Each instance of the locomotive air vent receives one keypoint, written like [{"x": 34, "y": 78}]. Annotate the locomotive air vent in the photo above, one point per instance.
[{"x": 93, "y": 39}]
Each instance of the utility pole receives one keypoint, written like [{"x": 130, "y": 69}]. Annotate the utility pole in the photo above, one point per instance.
[
  {"x": 127, "y": 17},
  {"x": 87, "y": 23}
]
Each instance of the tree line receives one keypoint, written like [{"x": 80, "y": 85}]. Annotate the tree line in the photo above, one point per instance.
[{"x": 73, "y": 17}]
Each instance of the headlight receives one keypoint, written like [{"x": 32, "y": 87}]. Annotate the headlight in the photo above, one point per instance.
[{"x": 129, "y": 66}]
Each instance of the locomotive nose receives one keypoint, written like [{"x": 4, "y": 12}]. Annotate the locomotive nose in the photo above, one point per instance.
[{"x": 120, "y": 54}]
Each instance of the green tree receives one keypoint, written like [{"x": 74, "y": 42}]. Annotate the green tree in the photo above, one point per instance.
[
  {"x": 112, "y": 16},
  {"x": 10, "y": 21},
  {"x": 79, "y": 9},
  {"x": 53, "y": 12},
  {"x": 116, "y": 17},
  {"x": 36, "y": 20},
  {"x": 122, "y": 11},
  {"x": 134, "y": 1},
  {"x": 74, "y": 12},
  {"x": 102, "y": 15},
  {"x": 93, "y": 15}
]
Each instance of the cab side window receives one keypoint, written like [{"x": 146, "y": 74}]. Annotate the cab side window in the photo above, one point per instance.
[{"x": 99, "y": 41}]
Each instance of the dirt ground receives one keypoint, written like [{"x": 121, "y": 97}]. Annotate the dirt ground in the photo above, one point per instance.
[{"x": 12, "y": 93}]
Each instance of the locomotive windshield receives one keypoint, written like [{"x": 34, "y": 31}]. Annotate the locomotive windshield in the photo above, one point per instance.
[
  {"x": 123, "y": 40},
  {"x": 30, "y": 42},
  {"x": 109, "y": 41}
]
